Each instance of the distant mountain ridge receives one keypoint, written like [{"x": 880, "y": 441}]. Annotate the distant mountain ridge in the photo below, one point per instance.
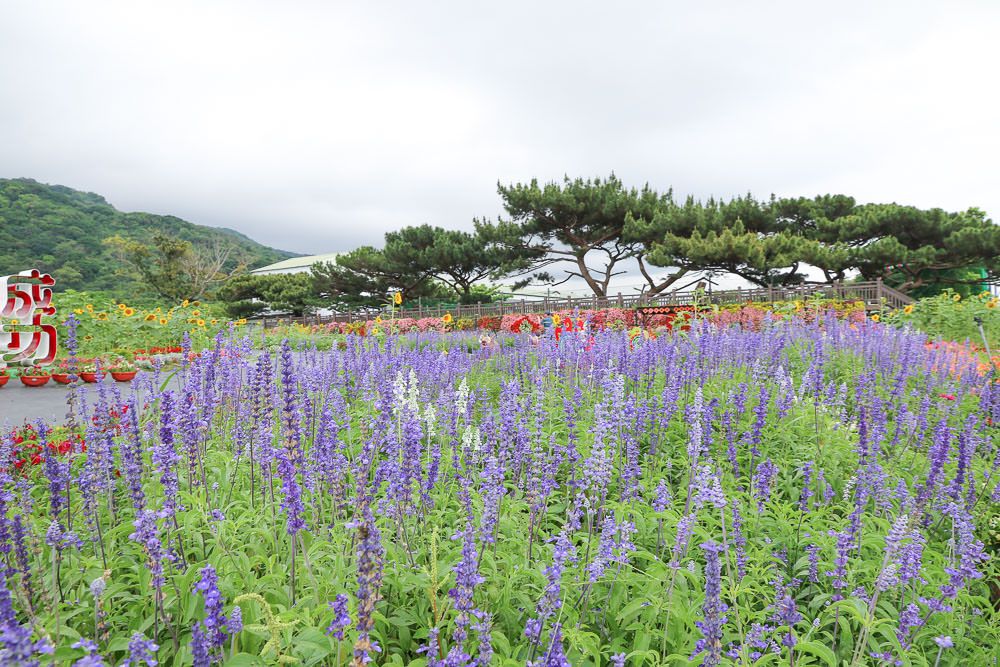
[{"x": 60, "y": 230}]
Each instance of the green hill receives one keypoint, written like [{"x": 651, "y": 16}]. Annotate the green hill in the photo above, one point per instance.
[{"x": 60, "y": 230}]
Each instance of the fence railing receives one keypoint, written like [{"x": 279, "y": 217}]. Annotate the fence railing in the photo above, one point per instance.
[{"x": 876, "y": 295}]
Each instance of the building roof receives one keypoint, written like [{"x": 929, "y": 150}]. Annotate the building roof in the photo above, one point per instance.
[{"x": 296, "y": 263}]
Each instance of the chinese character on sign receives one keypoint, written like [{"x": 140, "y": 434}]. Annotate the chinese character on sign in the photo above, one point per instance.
[{"x": 26, "y": 298}]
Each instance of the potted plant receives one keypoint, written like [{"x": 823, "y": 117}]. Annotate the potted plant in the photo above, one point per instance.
[
  {"x": 61, "y": 371},
  {"x": 122, "y": 370},
  {"x": 35, "y": 376},
  {"x": 88, "y": 370},
  {"x": 4, "y": 376}
]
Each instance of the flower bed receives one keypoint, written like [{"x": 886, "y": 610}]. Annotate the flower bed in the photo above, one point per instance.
[{"x": 805, "y": 493}]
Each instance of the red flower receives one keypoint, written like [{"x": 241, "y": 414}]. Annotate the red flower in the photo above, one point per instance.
[{"x": 948, "y": 397}]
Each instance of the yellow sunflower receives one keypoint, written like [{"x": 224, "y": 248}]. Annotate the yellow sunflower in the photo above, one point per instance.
[
  {"x": 150, "y": 318},
  {"x": 78, "y": 311},
  {"x": 875, "y": 317},
  {"x": 196, "y": 313},
  {"x": 185, "y": 304},
  {"x": 908, "y": 309},
  {"x": 90, "y": 307},
  {"x": 398, "y": 298},
  {"x": 121, "y": 306},
  {"x": 163, "y": 320},
  {"x": 214, "y": 321},
  {"x": 447, "y": 318},
  {"x": 158, "y": 309},
  {"x": 200, "y": 323},
  {"x": 129, "y": 312}
]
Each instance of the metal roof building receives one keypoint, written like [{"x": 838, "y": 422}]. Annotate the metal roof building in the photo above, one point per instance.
[{"x": 295, "y": 264}]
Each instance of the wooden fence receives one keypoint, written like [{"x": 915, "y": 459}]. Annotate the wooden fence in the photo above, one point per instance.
[{"x": 877, "y": 296}]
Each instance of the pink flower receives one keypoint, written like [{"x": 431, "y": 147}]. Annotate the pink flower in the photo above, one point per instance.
[{"x": 948, "y": 397}]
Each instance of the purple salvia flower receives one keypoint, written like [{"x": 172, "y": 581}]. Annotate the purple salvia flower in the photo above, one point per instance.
[
  {"x": 341, "y": 617},
  {"x": 761, "y": 484},
  {"x": 17, "y": 645},
  {"x": 713, "y": 609},
  {"x": 91, "y": 659},
  {"x": 141, "y": 651},
  {"x": 214, "y": 621},
  {"x": 807, "y": 492},
  {"x": 200, "y": 648},
  {"x": 370, "y": 556}
]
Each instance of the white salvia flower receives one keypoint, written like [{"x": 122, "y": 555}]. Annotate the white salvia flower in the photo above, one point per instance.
[
  {"x": 692, "y": 567},
  {"x": 399, "y": 391},
  {"x": 887, "y": 578},
  {"x": 471, "y": 439},
  {"x": 462, "y": 397},
  {"x": 849, "y": 487},
  {"x": 413, "y": 394},
  {"x": 430, "y": 416}
]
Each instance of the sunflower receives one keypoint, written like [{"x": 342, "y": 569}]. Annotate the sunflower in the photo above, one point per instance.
[
  {"x": 102, "y": 316},
  {"x": 78, "y": 311},
  {"x": 213, "y": 321},
  {"x": 196, "y": 313},
  {"x": 908, "y": 309},
  {"x": 129, "y": 312},
  {"x": 397, "y": 298},
  {"x": 195, "y": 303},
  {"x": 90, "y": 307},
  {"x": 875, "y": 317},
  {"x": 447, "y": 318},
  {"x": 157, "y": 309},
  {"x": 185, "y": 304},
  {"x": 163, "y": 320},
  {"x": 121, "y": 306},
  {"x": 150, "y": 318},
  {"x": 200, "y": 323}
]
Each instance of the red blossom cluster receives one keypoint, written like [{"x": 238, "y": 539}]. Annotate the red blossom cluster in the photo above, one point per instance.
[
  {"x": 28, "y": 449},
  {"x": 160, "y": 350}
]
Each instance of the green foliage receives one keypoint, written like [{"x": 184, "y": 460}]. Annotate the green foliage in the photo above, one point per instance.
[
  {"x": 60, "y": 230},
  {"x": 247, "y": 295},
  {"x": 456, "y": 258},
  {"x": 950, "y": 317},
  {"x": 368, "y": 278},
  {"x": 774, "y": 241},
  {"x": 563, "y": 224}
]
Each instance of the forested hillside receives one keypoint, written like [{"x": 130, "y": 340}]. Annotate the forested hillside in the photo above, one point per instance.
[{"x": 60, "y": 230}]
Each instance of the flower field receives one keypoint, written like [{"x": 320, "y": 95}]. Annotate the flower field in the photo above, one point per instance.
[{"x": 818, "y": 492}]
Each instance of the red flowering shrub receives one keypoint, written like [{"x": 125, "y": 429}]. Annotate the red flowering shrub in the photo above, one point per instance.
[{"x": 489, "y": 322}]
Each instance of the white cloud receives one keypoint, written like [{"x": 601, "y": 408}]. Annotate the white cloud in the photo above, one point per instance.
[{"x": 316, "y": 126}]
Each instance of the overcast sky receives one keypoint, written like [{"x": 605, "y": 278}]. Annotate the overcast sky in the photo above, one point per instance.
[{"x": 317, "y": 126}]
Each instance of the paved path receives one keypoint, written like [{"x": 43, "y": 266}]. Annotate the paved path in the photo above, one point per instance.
[{"x": 48, "y": 402}]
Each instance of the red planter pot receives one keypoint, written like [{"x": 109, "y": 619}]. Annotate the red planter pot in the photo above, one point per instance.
[
  {"x": 4, "y": 379},
  {"x": 35, "y": 380},
  {"x": 61, "y": 378},
  {"x": 123, "y": 376},
  {"x": 92, "y": 377}
]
